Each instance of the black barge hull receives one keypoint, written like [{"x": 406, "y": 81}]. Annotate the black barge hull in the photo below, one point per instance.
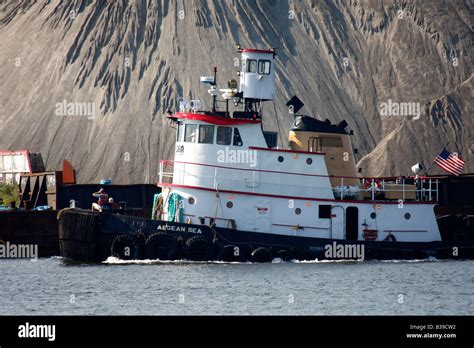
[{"x": 26, "y": 227}]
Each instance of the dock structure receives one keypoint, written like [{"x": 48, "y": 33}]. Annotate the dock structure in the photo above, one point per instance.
[{"x": 44, "y": 193}]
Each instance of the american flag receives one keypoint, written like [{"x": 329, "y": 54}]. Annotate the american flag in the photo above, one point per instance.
[{"x": 449, "y": 162}]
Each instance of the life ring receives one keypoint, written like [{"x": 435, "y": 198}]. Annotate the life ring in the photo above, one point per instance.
[
  {"x": 126, "y": 247},
  {"x": 261, "y": 254},
  {"x": 229, "y": 253},
  {"x": 373, "y": 184},
  {"x": 162, "y": 246},
  {"x": 370, "y": 234},
  {"x": 198, "y": 248},
  {"x": 390, "y": 238}
]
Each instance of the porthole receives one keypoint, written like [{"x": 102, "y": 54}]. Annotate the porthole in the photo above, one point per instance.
[
  {"x": 407, "y": 216},
  {"x": 373, "y": 215},
  {"x": 297, "y": 211},
  {"x": 280, "y": 158},
  {"x": 191, "y": 200},
  {"x": 229, "y": 204},
  {"x": 309, "y": 161}
]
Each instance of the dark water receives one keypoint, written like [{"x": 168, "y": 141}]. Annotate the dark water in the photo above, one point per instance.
[{"x": 54, "y": 286}]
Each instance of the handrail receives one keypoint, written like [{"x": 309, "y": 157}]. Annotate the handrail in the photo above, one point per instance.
[
  {"x": 421, "y": 190},
  {"x": 302, "y": 174}
]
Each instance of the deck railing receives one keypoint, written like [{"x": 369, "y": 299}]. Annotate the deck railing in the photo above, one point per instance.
[{"x": 348, "y": 188}]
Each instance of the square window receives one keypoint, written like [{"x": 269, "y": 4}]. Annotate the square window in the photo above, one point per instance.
[
  {"x": 190, "y": 133},
  {"x": 251, "y": 65},
  {"x": 206, "y": 134},
  {"x": 264, "y": 67},
  {"x": 324, "y": 211},
  {"x": 224, "y": 135}
]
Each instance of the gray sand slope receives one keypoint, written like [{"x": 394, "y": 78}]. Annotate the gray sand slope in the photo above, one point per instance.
[{"x": 132, "y": 59}]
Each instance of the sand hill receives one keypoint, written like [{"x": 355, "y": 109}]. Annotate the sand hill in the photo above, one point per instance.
[{"x": 130, "y": 60}]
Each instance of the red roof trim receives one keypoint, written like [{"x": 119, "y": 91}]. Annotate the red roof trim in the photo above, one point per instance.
[
  {"x": 284, "y": 150},
  {"x": 214, "y": 119},
  {"x": 291, "y": 197},
  {"x": 254, "y": 50}
]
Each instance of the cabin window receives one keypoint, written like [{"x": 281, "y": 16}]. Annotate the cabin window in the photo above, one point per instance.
[
  {"x": 264, "y": 67},
  {"x": 331, "y": 141},
  {"x": 251, "y": 65},
  {"x": 206, "y": 134},
  {"x": 224, "y": 135},
  {"x": 180, "y": 132},
  {"x": 190, "y": 133},
  {"x": 237, "y": 138},
  {"x": 324, "y": 211}
]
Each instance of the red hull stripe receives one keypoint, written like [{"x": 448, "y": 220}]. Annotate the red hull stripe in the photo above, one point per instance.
[
  {"x": 289, "y": 197},
  {"x": 213, "y": 119},
  {"x": 299, "y": 226},
  {"x": 283, "y": 150},
  {"x": 390, "y": 231},
  {"x": 245, "y": 169},
  {"x": 254, "y": 50}
]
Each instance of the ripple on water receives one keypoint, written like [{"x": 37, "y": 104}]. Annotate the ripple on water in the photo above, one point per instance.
[{"x": 180, "y": 287}]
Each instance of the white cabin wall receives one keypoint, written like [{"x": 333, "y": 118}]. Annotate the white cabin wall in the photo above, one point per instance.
[{"x": 389, "y": 217}]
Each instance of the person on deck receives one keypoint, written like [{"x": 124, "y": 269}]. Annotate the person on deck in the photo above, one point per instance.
[{"x": 102, "y": 200}]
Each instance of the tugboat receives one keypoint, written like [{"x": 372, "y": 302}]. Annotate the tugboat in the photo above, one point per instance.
[{"x": 232, "y": 194}]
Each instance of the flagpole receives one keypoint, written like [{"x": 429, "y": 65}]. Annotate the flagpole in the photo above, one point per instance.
[{"x": 433, "y": 161}]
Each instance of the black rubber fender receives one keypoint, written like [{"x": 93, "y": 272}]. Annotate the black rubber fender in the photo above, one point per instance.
[
  {"x": 261, "y": 254},
  {"x": 198, "y": 248},
  {"x": 162, "y": 246},
  {"x": 126, "y": 247}
]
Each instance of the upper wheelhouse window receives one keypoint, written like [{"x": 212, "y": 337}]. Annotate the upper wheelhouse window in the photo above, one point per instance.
[
  {"x": 251, "y": 65},
  {"x": 264, "y": 67},
  {"x": 224, "y": 135},
  {"x": 190, "y": 133},
  {"x": 237, "y": 138},
  {"x": 206, "y": 134},
  {"x": 180, "y": 132},
  {"x": 331, "y": 141}
]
